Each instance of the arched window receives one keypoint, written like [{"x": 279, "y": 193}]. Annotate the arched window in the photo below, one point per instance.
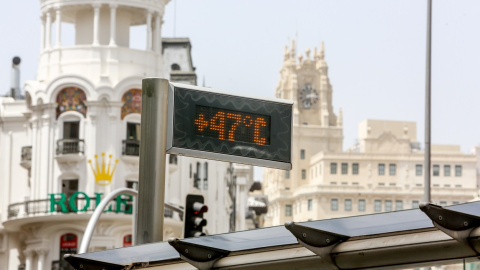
[
  {"x": 71, "y": 99},
  {"x": 132, "y": 102},
  {"x": 175, "y": 66}
]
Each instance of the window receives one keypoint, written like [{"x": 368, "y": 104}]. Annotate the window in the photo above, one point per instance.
[
  {"x": 443, "y": 203},
  {"x": 175, "y": 67},
  {"x": 71, "y": 130},
  {"x": 190, "y": 170},
  {"x": 344, "y": 168},
  {"x": 415, "y": 204},
  {"x": 334, "y": 204},
  {"x": 355, "y": 168},
  {"x": 458, "y": 170},
  {"x": 378, "y": 205},
  {"x": 398, "y": 205},
  {"x": 392, "y": 169},
  {"x": 287, "y": 174},
  {"x": 446, "y": 170},
  {"x": 173, "y": 159},
  {"x": 302, "y": 154},
  {"x": 361, "y": 205},
  {"x": 131, "y": 183},
  {"x": 436, "y": 170},
  {"x": 205, "y": 176},
  {"x": 418, "y": 170},
  {"x": 304, "y": 174},
  {"x": 310, "y": 204},
  {"x": 381, "y": 169},
  {"x": 333, "y": 168},
  {"x": 197, "y": 175},
  {"x": 131, "y": 146},
  {"x": 133, "y": 131},
  {"x": 455, "y": 202},
  {"x": 348, "y": 204},
  {"x": 288, "y": 210},
  {"x": 388, "y": 205}
]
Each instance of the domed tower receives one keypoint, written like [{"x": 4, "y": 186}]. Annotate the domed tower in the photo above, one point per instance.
[{"x": 86, "y": 101}]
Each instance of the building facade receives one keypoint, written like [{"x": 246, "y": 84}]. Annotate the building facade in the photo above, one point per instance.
[
  {"x": 76, "y": 135},
  {"x": 383, "y": 172}
]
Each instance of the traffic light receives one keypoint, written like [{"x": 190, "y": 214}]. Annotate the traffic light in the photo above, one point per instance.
[{"x": 194, "y": 221}]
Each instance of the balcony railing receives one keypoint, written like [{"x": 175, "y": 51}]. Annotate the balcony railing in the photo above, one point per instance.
[
  {"x": 131, "y": 148},
  {"x": 43, "y": 208},
  {"x": 70, "y": 146}
]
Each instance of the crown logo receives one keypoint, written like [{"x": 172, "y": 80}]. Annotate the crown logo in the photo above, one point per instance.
[{"x": 103, "y": 174}]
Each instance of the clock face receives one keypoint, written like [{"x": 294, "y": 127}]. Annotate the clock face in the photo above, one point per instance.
[{"x": 308, "y": 96}]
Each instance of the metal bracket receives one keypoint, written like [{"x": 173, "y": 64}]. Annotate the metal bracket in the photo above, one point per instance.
[
  {"x": 457, "y": 225},
  {"x": 318, "y": 241},
  {"x": 202, "y": 257}
]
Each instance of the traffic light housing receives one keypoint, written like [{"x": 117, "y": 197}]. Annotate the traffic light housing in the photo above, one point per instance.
[{"x": 194, "y": 221}]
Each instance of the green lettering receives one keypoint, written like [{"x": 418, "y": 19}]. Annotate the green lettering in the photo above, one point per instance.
[
  {"x": 60, "y": 202},
  {"x": 98, "y": 199},
  {"x": 73, "y": 202},
  {"x": 123, "y": 201}
]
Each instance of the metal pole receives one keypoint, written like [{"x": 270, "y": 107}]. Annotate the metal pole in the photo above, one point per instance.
[
  {"x": 134, "y": 215},
  {"x": 153, "y": 136},
  {"x": 87, "y": 236},
  {"x": 427, "y": 195}
]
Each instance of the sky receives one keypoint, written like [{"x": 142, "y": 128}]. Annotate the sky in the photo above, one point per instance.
[{"x": 375, "y": 50}]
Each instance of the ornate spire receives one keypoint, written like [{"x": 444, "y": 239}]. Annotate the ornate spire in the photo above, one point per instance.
[
  {"x": 340, "y": 117},
  {"x": 322, "y": 51},
  {"x": 293, "y": 50}
]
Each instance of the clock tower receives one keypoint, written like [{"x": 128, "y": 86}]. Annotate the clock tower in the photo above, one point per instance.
[{"x": 316, "y": 128}]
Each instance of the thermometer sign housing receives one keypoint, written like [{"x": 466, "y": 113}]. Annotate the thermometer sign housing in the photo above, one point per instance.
[{"x": 207, "y": 123}]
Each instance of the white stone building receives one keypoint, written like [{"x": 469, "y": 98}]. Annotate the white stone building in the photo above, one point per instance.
[
  {"x": 384, "y": 172},
  {"x": 76, "y": 135}
]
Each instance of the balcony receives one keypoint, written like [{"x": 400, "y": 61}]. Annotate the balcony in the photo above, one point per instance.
[
  {"x": 70, "y": 146},
  {"x": 131, "y": 148},
  {"x": 43, "y": 207},
  {"x": 26, "y": 161},
  {"x": 70, "y": 150}
]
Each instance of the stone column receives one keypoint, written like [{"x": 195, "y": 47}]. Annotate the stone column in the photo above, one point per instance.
[
  {"x": 28, "y": 259},
  {"x": 41, "y": 252},
  {"x": 149, "y": 30},
  {"x": 158, "y": 36},
  {"x": 58, "y": 19},
  {"x": 96, "y": 23},
  {"x": 48, "y": 36},
  {"x": 113, "y": 20}
]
